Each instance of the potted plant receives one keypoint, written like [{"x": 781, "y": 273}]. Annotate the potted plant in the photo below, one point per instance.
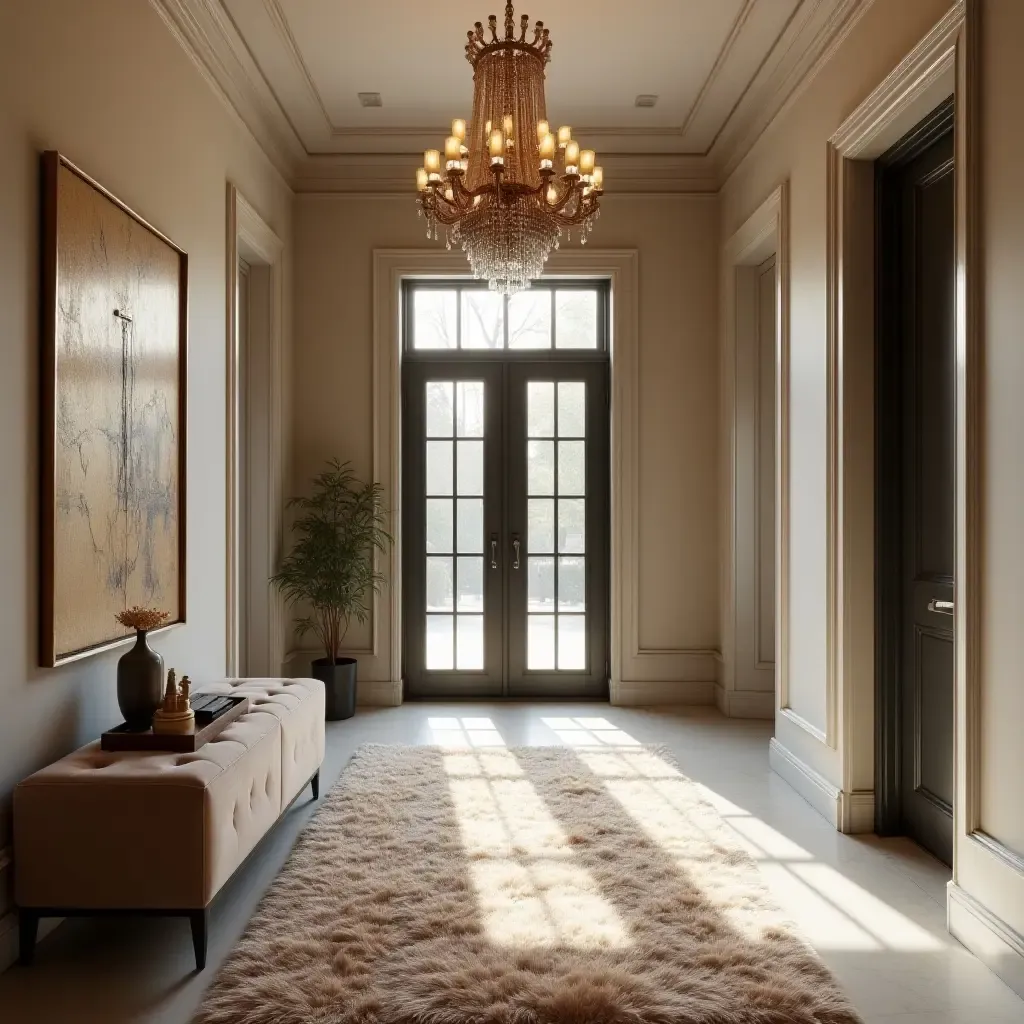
[{"x": 330, "y": 571}]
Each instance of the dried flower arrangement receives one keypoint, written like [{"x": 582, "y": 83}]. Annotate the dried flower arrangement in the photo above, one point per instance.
[{"x": 141, "y": 619}]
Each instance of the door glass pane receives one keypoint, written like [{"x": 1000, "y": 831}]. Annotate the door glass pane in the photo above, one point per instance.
[
  {"x": 483, "y": 319},
  {"x": 434, "y": 318},
  {"x": 572, "y": 642},
  {"x": 469, "y": 642},
  {"x": 540, "y": 641},
  {"x": 572, "y": 408},
  {"x": 540, "y": 467},
  {"x": 439, "y": 467},
  {"x": 440, "y": 637},
  {"x": 439, "y": 584},
  {"x": 575, "y": 318},
  {"x": 529, "y": 319},
  {"x": 470, "y": 528},
  {"x": 572, "y": 467},
  {"x": 439, "y": 408},
  {"x": 572, "y": 589},
  {"x": 471, "y": 467},
  {"x": 540, "y": 534},
  {"x": 540, "y": 593},
  {"x": 572, "y": 525},
  {"x": 470, "y": 408},
  {"x": 540, "y": 408},
  {"x": 439, "y": 525},
  {"x": 470, "y": 585}
]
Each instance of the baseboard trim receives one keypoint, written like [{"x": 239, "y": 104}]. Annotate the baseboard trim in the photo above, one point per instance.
[
  {"x": 745, "y": 703},
  {"x": 988, "y": 937},
  {"x": 9, "y": 936},
  {"x": 813, "y": 787},
  {"x": 660, "y": 692},
  {"x": 857, "y": 811},
  {"x": 379, "y": 693}
]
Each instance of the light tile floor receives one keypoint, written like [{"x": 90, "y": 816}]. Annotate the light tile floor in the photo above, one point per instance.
[{"x": 874, "y": 908}]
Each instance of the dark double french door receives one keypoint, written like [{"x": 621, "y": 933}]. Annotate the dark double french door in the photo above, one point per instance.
[{"x": 505, "y": 526}]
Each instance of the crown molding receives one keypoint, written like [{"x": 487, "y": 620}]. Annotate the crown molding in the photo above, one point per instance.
[
  {"x": 214, "y": 45},
  {"x": 806, "y": 47},
  {"x": 206, "y": 32},
  {"x": 393, "y": 173}
]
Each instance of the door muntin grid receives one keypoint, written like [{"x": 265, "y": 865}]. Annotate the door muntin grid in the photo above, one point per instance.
[
  {"x": 453, "y": 510},
  {"x": 556, "y": 511}
]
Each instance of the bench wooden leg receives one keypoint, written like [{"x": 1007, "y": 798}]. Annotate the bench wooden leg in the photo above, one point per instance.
[
  {"x": 200, "y": 921},
  {"x": 315, "y": 783},
  {"x": 28, "y": 929}
]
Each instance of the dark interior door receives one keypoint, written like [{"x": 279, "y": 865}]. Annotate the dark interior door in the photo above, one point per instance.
[{"x": 916, "y": 439}]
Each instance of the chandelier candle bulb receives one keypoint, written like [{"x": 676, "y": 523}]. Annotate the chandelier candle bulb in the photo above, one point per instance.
[
  {"x": 587, "y": 160},
  {"x": 496, "y": 145},
  {"x": 572, "y": 155},
  {"x": 459, "y": 129},
  {"x": 564, "y": 136},
  {"x": 432, "y": 163},
  {"x": 543, "y": 130},
  {"x": 547, "y": 148},
  {"x": 421, "y": 179},
  {"x": 597, "y": 178}
]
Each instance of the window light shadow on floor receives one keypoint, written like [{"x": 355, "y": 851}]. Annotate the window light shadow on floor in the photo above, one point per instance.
[
  {"x": 528, "y": 881},
  {"x": 831, "y": 910}
]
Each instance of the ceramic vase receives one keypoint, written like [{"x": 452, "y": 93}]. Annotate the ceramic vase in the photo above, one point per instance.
[{"x": 140, "y": 681}]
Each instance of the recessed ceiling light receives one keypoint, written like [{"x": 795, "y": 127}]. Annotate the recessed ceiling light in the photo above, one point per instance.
[
  {"x": 646, "y": 99},
  {"x": 370, "y": 99}
]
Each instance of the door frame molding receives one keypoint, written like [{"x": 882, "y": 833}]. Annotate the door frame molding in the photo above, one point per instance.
[
  {"x": 619, "y": 266},
  {"x": 740, "y": 690},
  {"x": 250, "y": 237},
  {"x": 945, "y": 62}
]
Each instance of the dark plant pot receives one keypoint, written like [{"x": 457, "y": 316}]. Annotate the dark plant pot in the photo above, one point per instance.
[
  {"x": 339, "y": 679},
  {"x": 140, "y": 683}
]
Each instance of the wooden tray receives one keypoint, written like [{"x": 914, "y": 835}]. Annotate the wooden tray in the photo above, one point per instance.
[{"x": 207, "y": 727}]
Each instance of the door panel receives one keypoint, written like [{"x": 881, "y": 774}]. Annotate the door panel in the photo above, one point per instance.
[
  {"x": 452, "y": 498},
  {"x": 557, "y": 454},
  {"x": 917, "y": 481}
]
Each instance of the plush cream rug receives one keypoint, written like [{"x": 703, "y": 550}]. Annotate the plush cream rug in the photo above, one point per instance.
[{"x": 519, "y": 886}]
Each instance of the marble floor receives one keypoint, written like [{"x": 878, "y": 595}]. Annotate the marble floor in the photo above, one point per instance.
[{"x": 874, "y": 908}]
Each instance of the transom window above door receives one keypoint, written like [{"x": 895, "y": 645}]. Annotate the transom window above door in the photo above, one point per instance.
[{"x": 551, "y": 315}]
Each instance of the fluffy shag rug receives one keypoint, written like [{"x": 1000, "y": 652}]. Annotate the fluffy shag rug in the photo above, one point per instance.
[{"x": 544, "y": 885}]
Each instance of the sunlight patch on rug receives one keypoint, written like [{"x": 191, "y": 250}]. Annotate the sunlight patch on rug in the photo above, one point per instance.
[{"x": 590, "y": 883}]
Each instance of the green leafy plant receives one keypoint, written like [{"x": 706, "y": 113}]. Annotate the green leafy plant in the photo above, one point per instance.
[{"x": 330, "y": 570}]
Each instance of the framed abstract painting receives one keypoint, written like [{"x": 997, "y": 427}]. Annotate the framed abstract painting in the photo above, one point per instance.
[{"x": 114, "y": 342}]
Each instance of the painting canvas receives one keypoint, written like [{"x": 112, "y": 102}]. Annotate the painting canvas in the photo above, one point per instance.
[{"x": 113, "y": 404}]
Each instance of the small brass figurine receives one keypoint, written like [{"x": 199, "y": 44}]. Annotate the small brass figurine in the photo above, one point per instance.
[{"x": 175, "y": 716}]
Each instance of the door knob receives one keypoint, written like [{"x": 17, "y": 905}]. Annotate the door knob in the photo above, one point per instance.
[
  {"x": 940, "y": 607},
  {"x": 515, "y": 547}
]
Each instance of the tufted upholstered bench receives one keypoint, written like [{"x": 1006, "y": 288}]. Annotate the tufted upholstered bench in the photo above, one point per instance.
[{"x": 99, "y": 832}]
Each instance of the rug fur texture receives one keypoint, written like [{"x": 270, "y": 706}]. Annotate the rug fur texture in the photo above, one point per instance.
[{"x": 545, "y": 885}]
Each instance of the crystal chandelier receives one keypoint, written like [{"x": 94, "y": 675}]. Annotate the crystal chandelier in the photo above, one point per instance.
[{"x": 509, "y": 187}]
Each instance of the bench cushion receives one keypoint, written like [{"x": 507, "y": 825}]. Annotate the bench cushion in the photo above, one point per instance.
[{"x": 139, "y": 830}]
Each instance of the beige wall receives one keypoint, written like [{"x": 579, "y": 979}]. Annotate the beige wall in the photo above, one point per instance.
[
  {"x": 676, "y": 237},
  {"x": 793, "y": 148},
  {"x": 106, "y": 83}
]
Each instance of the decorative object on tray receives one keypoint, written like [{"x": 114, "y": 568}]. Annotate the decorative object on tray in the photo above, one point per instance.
[
  {"x": 114, "y": 329},
  {"x": 332, "y": 569},
  {"x": 140, "y": 671},
  {"x": 175, "y": 716},
  {"x": 213, "y": 713}
]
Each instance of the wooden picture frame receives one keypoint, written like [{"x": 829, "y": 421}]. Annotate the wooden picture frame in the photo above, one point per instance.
[{"x": 113, "y": 382}]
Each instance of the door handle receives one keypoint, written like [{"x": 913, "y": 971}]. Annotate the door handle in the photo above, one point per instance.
[
  {"x": 494, "y": 551},
  {"x": 515, "y": 547},
  {"x": 940, "y": 607}
]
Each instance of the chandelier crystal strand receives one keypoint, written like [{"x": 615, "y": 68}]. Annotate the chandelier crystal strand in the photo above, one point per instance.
[{"x": 506, "y": 185}]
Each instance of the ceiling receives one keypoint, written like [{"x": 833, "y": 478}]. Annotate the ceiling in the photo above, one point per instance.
[{"x": 720, "y": 69}]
